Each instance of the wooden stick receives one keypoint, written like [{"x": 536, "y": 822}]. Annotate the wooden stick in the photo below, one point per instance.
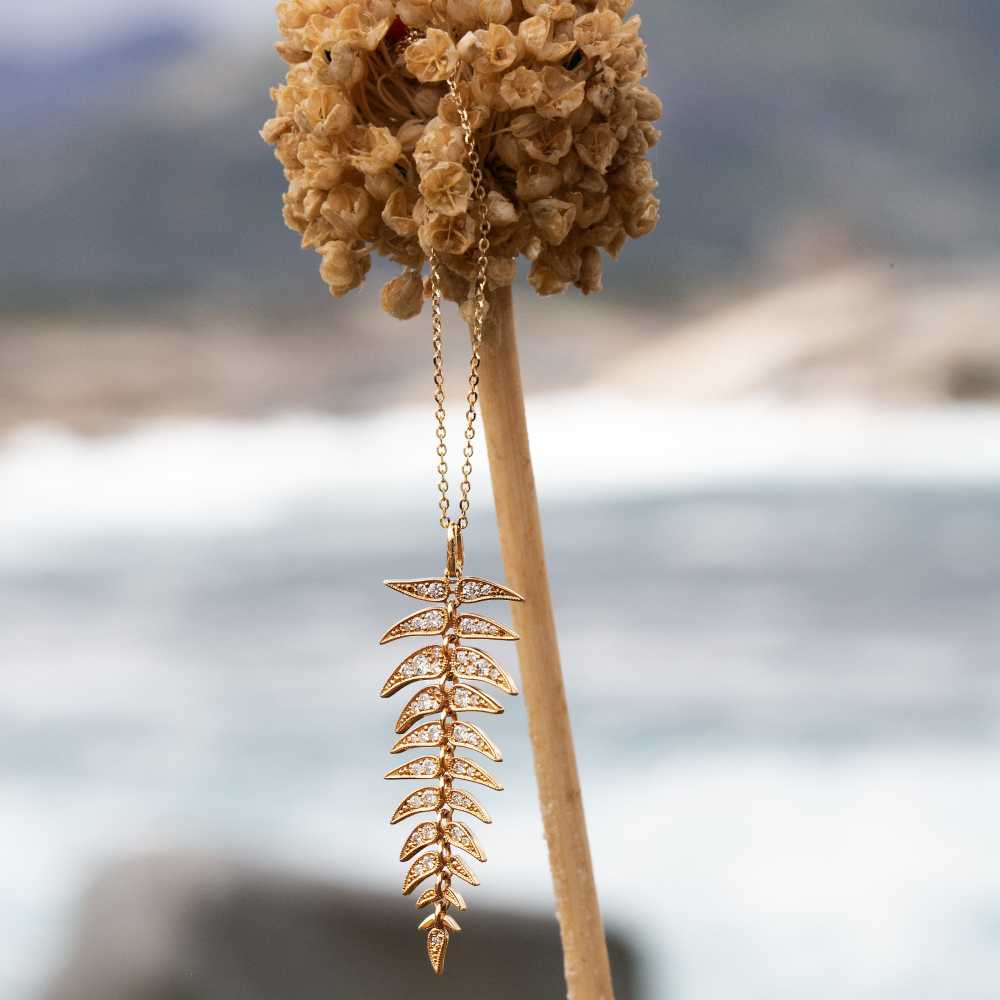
[{"x": 585, "y": 952}]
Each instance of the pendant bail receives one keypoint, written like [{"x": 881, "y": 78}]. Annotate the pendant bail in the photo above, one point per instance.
[{"x": 456, "y": 551}]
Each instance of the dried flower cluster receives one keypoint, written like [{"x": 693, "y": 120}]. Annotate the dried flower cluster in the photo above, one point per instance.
[{"x": 371, "y": 145}]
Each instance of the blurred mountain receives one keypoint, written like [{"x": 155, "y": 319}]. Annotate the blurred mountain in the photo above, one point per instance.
[
  {"x": 791, "y": 128},
  {"x": 44, "y": 91}
]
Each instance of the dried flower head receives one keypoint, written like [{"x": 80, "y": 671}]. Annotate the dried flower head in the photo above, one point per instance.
[{"x": 373, "y": 150}]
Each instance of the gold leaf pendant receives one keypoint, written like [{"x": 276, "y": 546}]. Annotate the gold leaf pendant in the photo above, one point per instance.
[{"x": 452, "y": 670}]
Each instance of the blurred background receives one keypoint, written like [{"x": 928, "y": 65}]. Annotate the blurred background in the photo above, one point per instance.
[{"x": 769, "y": 457}]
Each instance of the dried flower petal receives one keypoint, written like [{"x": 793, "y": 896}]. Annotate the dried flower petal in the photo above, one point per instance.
[
  {"x": 433, "y": 57},
  {"x": 498, "y": 48},
  {"x": 553, "y": 219},
  {"x": 562, "y": 93},
  {"x": 403, "y": 297},
  {"x": 452, "y": 234},
  {"x": 363, "y": 26},
  {"x": 597, "y": 146},
  {"x": 340, "y": 64},
  {"x": 446, "y": 188},
  {"x": 275, "y": 128},
  {"x": 547, "y": 38},
  {"x": 642, "y": 217},
  {"x": 537, "y": 180},
  {"x": 591, "y": 272},
  {"x": 468, "y": 47},
  {"x": 441, "y": 141},
  {"x": 499, "y": 210},
  {"x": 495, "y": 11},
  {"x": 521, "y": 88},
  {"x": 647, "y": 105},
  {"x": 346, "y": 209},
  {"x": 462, "y": 14},
  {"x": 343, "y": 268},
  {"x": 415, "y": 13},
  {"x": 372, "y": 150},
  {"x": 545, "y": 279},
  {"x": 398, "y": 211},
  {"x": 327, "y": 111},
  {"x": 548, "y": 141},
  {"x": 508, "y": 151},
  {"x": 598, "y": 33},
  {"x": 409, "y": 134}
]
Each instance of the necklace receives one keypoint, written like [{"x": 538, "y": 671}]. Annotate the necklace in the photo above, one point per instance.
[{"x": 449, "y": 665}]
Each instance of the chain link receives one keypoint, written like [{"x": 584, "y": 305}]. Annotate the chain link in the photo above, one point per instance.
[{"x": 478, "y": 326}]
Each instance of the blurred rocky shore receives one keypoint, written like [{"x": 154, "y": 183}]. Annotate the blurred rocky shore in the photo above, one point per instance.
[
  {"x": 192, "y": 927},
  {"x": 849, "y": 332}
]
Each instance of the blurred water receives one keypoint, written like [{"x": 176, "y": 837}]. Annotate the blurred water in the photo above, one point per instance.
[{"x": 786, "y": 690}]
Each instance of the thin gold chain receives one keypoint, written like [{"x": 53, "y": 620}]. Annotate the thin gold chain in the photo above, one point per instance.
[{"x": 479, "y": 308}]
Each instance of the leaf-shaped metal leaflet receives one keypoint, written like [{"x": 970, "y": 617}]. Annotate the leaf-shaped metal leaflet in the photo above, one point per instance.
[
  {"x": 430, "y": 622},
  {"x": 430, "y": 589},
  {"x": 459, "y": 835},
  {"x": 477, "y": 627},
  {"x": 473, "y": 589},
  {"x": 426, "y": 865},
  {"x": 422, "y": 836},
  {"x": 467, "y": 771},
  {"x": 437, "y": 948},
  {"x": 431, "y": 919},
  {"x": 425, "y": 664},
  {"x": 474, "y": 664},
  {"x": 425, "y": 702},
  {"x": 452, "y": 895},
  {"x": 459, "y": 868},
  {"x": 470, "y": 699},
  {"x": 465, "y": 734},
  {"x": 466, "y": 803},
  {"x": 421, "y": 769},
  {"x": 422, "y": 800},
  {"x": 430, "y": 734}
]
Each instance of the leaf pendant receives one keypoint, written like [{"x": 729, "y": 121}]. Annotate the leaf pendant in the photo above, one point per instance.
[{"x": 450, "y": 672}]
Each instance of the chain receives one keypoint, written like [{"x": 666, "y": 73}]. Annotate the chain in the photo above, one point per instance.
[{"x": 478, "y": 325}]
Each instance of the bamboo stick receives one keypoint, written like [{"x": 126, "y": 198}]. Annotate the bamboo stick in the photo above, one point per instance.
[{"x": 585, "y": 953}]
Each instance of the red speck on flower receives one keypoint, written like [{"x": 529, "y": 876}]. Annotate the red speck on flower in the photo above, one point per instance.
[{"x": 397, "y": 30}]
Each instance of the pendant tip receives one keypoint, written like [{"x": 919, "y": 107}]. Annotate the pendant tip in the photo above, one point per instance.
[{"x": 437, "y": 948}]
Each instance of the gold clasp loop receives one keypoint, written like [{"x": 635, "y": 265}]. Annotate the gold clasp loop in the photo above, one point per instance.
[{"x": 456, "y": 551}]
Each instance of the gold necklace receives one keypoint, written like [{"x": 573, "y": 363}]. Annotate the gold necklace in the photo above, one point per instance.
[{"x": 450, "y": 665}]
